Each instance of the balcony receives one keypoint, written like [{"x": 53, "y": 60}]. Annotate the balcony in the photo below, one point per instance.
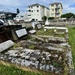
[
  {"x": 57, "y": 7},
  {"x": 57, "y": 12}
]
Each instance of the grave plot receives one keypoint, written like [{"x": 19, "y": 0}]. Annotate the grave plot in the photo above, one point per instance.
[{"x": 49, "y": 52}]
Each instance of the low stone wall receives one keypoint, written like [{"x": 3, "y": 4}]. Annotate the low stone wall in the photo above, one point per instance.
[
  {"x": 62, "y": 23},
  {"x": 25, "y": 24}
]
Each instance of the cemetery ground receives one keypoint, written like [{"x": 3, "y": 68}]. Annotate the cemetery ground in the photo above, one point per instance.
[{"x": 47, "y": 50}]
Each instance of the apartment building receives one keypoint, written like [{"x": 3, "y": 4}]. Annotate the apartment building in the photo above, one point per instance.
[
  {"x": 56, "y": 10},
  {"x": 37, "y": 11}
]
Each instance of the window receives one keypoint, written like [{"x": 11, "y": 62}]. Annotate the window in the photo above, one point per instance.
[
  {"x": 31, "y": 7},
  {"x": 21, "y": 16},
  {"x": 29, "y": 10},
  {"x": 37, "y": 6},
  {"x": 52, "y": 14},
  {"x": 52, "y": 5},
  {"x": 52, "y": 9},
  {"x": 29, "y": 15},
  {"x": 57, "y": 4},
  {"x": 37, "y": 10}
]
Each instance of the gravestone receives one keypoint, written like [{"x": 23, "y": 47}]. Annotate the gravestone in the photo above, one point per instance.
[
  {"x": 39, "y": 26},
  {"x": 5, "y": 45},
  {"x": 21, "y": 32},
  {"x": 47, "y": 22}
]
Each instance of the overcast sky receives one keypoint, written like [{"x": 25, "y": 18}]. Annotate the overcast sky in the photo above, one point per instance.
[{"x": 12, "y": 5}]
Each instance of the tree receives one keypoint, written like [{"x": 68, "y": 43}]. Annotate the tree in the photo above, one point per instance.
[
  {"x": 50, "y": 18},
  {"x": 68, "y": 15},
  {"x": 44, "y": 18},
  {"x": 18, "y": 11}
]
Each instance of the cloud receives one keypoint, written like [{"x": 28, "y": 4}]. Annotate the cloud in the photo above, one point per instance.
[
  {"x": 12, "y": 5},
  {"x": 73, "y": 5}
]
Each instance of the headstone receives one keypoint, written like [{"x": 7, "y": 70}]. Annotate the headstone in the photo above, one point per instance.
[
  {"x": 21, "y": 32},
  {"x": 33, "y": 25},
  {"x": 5, "y": 45},
  {"x": 47, "y": 22},
  {"x": 39, "y": 26}
]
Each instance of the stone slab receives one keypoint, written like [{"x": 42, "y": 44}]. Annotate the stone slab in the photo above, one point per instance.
[
  {"x": 5, "y": 45},
  {"x": 21, "y": 32},
  {"x": 32, "y": 31},
  {"x": 62, "y": 28}
]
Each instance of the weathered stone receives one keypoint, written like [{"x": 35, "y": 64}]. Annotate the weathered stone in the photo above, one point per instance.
[
  {"x": 32, "y": 31},
  {"x": 47, "y": 23},
  {"x": 39, "y": 26},
  {"x": 21, "y": 32},
  {"x": 62, "y": 28},
  {"x": 18, "y": 48},
  {"x": 5, "y": 45}
]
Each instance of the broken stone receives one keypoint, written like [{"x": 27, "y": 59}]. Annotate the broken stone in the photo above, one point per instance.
[
  {"x": 5, "y": 45},
  {"x": 38, "y": 38},
  {"x": 54, "y": 48},
  {"x": 32, "y": 31},
  {"x": 58, "y": 28},
  {"x": 18, "y": 48},
  {"x": 57, "y": 39}
]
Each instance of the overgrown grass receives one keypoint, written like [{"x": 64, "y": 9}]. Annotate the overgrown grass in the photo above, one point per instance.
[
  {"x": 10, "y": 70},
  {"x": 16, "y": 45},
  {"x": 49, "y": 32},
  {"x": 72, "y": 42}
]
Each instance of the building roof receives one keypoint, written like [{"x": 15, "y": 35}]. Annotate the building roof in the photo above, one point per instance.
[
  {"x": 21, "y": 13},
  {"x": 56, "y": 3},
  {"x": 7, "y": 12},
  {"x": 39, "y": 5}
]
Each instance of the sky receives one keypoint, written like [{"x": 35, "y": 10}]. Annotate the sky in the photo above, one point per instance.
[{"x": 12, "y": 5}]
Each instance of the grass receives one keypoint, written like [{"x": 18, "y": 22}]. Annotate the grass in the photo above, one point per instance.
[
  {"x": 72, "y": 42},
  {"x": 31, "y": 47},
  {"x": 10, "y": 70},
  {"x": 49, "y": 32},
  {"x": 16, "y": 45},
  {"x": 7, "y": 68}
]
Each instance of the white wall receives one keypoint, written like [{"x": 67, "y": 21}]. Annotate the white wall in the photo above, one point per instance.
[{"x": 42, "y": 11}]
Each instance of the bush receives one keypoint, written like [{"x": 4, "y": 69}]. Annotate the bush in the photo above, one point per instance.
[
  {"x": 50, "y": 18},
  {"x": 44, "y": 18}
]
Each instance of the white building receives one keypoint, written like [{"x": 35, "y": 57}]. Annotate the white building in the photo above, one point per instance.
[{"x": 37, "y": 11}]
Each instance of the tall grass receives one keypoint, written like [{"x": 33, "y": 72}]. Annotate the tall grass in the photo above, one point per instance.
[{"x": 72, "y": 42}]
